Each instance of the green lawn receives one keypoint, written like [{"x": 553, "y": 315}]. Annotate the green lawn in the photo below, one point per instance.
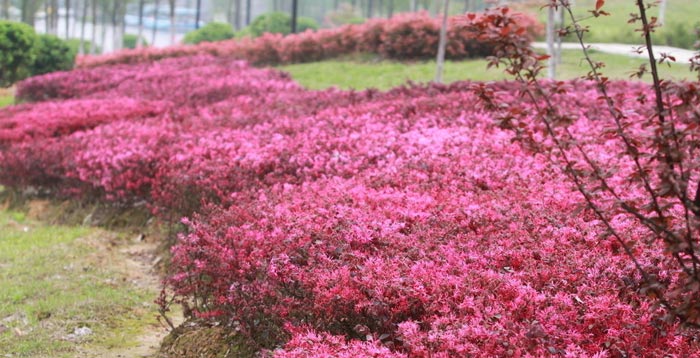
[
  {"x": 362, "y": 73},
  {"x": 57, "y": 279},
  {"x": 682, "y": 16},
  {"x": 6, "y": 101}
]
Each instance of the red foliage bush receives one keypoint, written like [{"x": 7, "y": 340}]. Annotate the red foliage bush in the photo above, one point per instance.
[
  {"x": 403, "y": 37},
  {"x": 330, "y": 223}
]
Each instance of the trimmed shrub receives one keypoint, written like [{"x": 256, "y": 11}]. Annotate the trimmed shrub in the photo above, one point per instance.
[
  {"x": 130, "y": 41},
  {"x": 279, "y": 23},
  {"x": 52, "y": 54},
  {"x": 403, "y": 37},
  {"x": 306, "y": 23},
  {"x": 211, "y": 32},
  {"x": 17, "y": 41}
]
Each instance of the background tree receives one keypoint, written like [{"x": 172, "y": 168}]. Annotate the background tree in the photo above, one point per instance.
[{"x": 29, "y": 12}]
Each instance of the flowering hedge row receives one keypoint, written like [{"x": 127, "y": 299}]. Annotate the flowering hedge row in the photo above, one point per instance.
[
  {"x": 404, "y": 37},
  {"x": 352, "y": 224}
]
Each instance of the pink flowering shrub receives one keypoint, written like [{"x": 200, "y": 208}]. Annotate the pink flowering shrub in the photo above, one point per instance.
[
  {"x": 331, "y": 223},
  {"x": 403, "y": 37},
  {"x": 187, "y": 79},
  {"x": 54, "y": 119}
]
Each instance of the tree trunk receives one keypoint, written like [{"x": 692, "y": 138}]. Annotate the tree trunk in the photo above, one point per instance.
[
  {"x": 173, "y": 25},
  {"x": 5, "y": 9},
  {"x": 56, "y": 16},
  {"x": 28, "y": 12},
  {"x": 83, "y": 21},
  {"x": 552, "y": 63},
  {"x": 370, "y": 8},
  {"x": 414, "y": 5},
  {"x": 248, "y": 12},
  {"x": 104, "y": 23},
  {"x": 139, "y": 36},
  {"x": 229, "y": 14},
  {"x": 198, "y": 15},
  {"x": 68, "y": 18},
  {"x": 468, "y": 5},
  {"x": 295, "y": 13},
  {"x": 76, "y": 18},
  {"x": 154, "y": 30},
  {"x": 47, "y": 18},
  {"x": 443, "y": 43},
  {"x": 390, "y": 10},
  {"x": 558, "y": 40},
  {"x": 662, "y": 11},
  {"x": 237, "y": 21},
  {"x": 118, "y": 23},
  {"x": 93, "y": 37}
]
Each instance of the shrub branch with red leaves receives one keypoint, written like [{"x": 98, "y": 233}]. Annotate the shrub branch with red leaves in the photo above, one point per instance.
[{"x": 655, "y": 149}]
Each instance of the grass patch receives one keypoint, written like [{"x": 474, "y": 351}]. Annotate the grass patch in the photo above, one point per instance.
[
  {"x": 354, "y": 73},
  {"x": 55, "y": 279},
  {"x": 681, "y": 20},
  {"x": 6, "y": 101},
  {"x": 618, "y": 67}
]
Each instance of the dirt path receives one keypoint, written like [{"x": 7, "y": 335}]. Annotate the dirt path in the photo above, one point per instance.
[
  {"x": 135, "y": 260},
  {"x": 108, "y": 282}
]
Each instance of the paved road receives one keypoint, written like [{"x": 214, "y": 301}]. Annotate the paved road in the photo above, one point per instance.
[{"x": 681, "y": 55}]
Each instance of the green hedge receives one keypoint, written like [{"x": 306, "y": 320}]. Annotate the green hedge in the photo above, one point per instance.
[
  {"x": 211, "y": 32},
  {"x": 17, "y": 51},
  {"x": 279, "y": 23},
  {"x": 130, "y": 40},
  {"x": 52, "y": 54}
]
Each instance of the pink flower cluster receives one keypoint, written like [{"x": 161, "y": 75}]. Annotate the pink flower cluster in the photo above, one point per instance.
[
  {"x": 354, "y": 224},
  {"x": 405, "y": 36}
]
